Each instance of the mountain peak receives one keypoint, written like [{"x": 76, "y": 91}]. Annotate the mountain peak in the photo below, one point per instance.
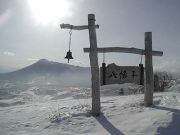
[
  {"x": 44, "y": 69},
  {"x": 43, "y": 61}
]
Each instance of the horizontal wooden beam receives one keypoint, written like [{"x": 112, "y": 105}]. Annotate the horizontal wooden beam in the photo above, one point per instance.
[
  {"x": 124, "y": 50},
  {"x": 82, "y": 27}
]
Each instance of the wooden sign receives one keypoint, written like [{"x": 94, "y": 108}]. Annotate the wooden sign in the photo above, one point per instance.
[{"x": 120, "y": 74}]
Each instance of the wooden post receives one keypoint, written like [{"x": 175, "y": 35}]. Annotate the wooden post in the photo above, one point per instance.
[
  {"x": 103, "y": 74},
  {"x": 141, "y": 74},
  {"x": 149, "y": 83},
  {"x": 94, "y": 66}
]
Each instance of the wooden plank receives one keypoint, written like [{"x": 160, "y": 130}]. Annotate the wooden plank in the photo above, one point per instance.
[
  {"x": 94, "y": 66},
  {"x": 149, "y": 81},
  {"x": 68, "y": 26},
  {"x": 124, "y": 50},
  {"x": 122, "y": 74}
]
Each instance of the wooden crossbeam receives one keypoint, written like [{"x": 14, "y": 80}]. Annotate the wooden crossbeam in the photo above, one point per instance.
[
  {"x": 82, "y": 27},
  {"x": 124, "y": 50}
]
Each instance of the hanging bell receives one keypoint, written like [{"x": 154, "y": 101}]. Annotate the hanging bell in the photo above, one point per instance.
[{"x": 69, "y": 55}]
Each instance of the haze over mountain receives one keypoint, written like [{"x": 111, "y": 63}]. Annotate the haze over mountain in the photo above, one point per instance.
[{"x": 44, "y": 71}]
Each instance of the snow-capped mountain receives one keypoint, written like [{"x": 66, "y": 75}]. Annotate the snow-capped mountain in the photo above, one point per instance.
[{"x": 50, "y": 71}]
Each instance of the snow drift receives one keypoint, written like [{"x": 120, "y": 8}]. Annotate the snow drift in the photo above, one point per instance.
[{"x": 38, "y": 109}]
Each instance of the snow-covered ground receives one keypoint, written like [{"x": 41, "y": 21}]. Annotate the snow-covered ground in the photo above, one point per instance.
[{"x": 49, "y": 110}]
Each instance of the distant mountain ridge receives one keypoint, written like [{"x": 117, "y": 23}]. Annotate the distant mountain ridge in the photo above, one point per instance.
[
  {"x": 46, "y": 66},
  {"x": 47, "y": 69}
]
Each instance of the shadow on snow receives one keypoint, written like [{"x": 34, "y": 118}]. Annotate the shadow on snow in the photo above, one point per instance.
[
  {"x": 174, "y": 125},
  {"x": 108, "y": 125}
]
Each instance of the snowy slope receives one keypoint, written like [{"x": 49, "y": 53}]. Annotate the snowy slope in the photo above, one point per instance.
[
  {"x": 66, "y": 111},
  {"x": 44, "y": 71}
]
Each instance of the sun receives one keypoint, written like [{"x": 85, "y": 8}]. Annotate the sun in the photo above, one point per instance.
[{"x": 50, "y": 11}]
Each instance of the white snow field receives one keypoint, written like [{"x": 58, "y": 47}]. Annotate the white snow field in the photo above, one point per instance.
[{"x": 50, "y": 110}]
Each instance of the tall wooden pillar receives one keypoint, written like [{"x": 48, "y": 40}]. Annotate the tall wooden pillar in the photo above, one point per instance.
[
  {"x": 149, "y": 82},
  {"x": 94, "y": 66}
]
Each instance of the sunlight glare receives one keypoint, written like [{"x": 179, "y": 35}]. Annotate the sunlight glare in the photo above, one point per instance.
[{"x": 50, "y": 11}]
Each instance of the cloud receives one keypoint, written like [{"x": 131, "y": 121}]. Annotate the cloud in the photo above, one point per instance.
[
  {"x": 32, "y": 59},
  {"x": 169, "y": 66},
  {"x": 5, "y": 16},
  {"x": 9, "y": 53}
]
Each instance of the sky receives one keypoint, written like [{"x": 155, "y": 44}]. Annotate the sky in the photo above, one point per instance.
[{"x": 29, "y": 31}]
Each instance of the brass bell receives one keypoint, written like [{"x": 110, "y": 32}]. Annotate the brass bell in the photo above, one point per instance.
[{"x": 69, "y": 55}]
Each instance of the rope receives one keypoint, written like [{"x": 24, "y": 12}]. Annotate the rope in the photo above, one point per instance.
[{"x": 70, "y": 34}]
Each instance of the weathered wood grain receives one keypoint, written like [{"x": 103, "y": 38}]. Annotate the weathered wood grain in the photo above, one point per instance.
[
  {"x": 94, "y": 66},
  {"x": 82, "y": 27},
  {"x": 149, "y": 86},
  {"x": 124, "y": 50}
]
